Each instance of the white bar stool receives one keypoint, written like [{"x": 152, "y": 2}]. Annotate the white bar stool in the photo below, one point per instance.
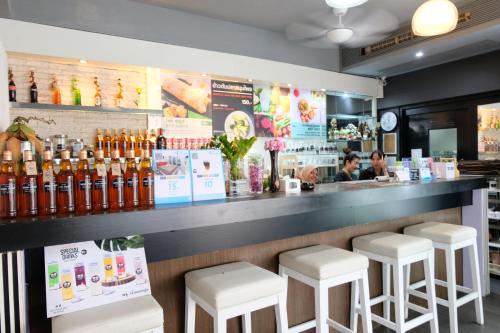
[
  {"x": 137, "y": 315},
  {"x": 450, "y": 238},
  {"x": 232, "y": 290},
  {"x": 323, "y": 267},
  {"x": 399, "y": 251}
]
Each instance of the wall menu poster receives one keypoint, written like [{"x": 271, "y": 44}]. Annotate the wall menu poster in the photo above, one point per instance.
[
  {"x": 172, "y": 176},
  {"x": 308, "y": 114},
  {"x": 88, "y": 274},
  {"x": 271, "y": 109},
  {"x": 232, "y": 108},
  {"x": 207, "y": 173}
]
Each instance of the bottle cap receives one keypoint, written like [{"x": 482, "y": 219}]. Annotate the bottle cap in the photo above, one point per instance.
[
  {"x": 27, "y": 155},
  {"x": 82, "y": 155},
  {"x": 115, "y": 153},
  {"x": 7, "y": 155},
  {"x": 130, "y": 154},
  {"x": 47, "y": 155},
  {"x": 65, "y": 155},
  {"x": 99, "y": 154}
]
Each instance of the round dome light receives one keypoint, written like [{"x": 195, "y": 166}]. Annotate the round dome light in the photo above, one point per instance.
[
  {"x": 340, "y": 35},
  {"x": 341, "y": 4},
  {"x": 435, "y": 17}
]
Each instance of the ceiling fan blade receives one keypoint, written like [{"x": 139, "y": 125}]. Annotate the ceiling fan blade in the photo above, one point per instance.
[
  {"x": 298, "y": 31},
  {"x": 360, "y": 41},
  {"x": 320, "y": 43},
  {"x": 378, "y": 21}
]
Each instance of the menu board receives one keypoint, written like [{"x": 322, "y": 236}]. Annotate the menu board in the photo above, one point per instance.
[
  {"x": 172, "y": 176},
  {"x": 271, "y": 108},
  {"x": 207, "y": 174},
  {"x": 232, "y": 108},
  {"x": 83, "y": 275},
  {"x": 308, "y": 113}
]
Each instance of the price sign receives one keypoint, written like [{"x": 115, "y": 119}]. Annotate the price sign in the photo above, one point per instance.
[
  {"x": 207, "y": 174},
  {"x": 172, "y": 176}
]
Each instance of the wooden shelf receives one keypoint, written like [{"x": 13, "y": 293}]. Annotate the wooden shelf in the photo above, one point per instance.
[
  {"x": 494, "y": 269},
  {"x": 61, "y": 107}
]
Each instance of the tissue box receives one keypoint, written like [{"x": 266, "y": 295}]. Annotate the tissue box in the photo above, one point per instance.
[{"x": 289, "y": 185}]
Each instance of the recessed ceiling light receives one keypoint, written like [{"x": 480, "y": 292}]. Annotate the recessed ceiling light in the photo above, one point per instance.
[
  {"x": 83, "y": 61},
  {"x": 289, "y": 85},
  {"x": 323, "y": 89},
  {"x": 419, "y": 54},
  {"x": 250, "y": 80}
]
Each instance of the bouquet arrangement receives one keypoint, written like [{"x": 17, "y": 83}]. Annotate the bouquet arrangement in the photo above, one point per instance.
[{"x": 275, "y": 145}]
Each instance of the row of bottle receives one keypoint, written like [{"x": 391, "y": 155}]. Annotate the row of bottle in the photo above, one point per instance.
[{"x": 43, "y": 193}]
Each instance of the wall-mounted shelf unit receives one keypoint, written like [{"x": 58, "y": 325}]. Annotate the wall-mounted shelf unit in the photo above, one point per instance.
[{"x": 61, "y": 107}]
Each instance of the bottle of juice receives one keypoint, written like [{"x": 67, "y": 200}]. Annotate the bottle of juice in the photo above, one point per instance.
[
  {"x": 65, "y": 185},
  {"x": 131, "y": 176},
  {"x": 131, "y": 141},
  {"x": 147, "y": 144},
  {"x": 146, "y": 182},
  {"x": 99, "y": 140},
  {"x": 100, "y": 181},
  {"x": 115, "y": 140},
  {"x": 75, "y": 92},
  {"x": 115, "y": 183},
  {"x": 27, "y": 202},
  {"x": 8, "y": 204},
  {"x": 107, "y": 144},
  {"x": 83, "y": 185},
  {"x": 152, "y": 137},
  {"x": 161, "y": 141},
  {"x": 56, "y": 91},
  {"x": 139, "y": 142},
  {"x": 47, "y": 186},
  {"x": 123, "y": 142}
]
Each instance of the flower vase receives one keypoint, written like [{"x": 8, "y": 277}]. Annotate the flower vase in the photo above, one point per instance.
[
  {"x": 256, "y": 174},
  {"x": 238, "y": 185},
  {"x": 274, "y": 180}
]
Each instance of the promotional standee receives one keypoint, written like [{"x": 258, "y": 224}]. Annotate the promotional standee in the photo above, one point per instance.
[
  {"x": 88, "y": 274},
  {"x": 172, "y": 176},
  {"x": 207, "y": 174}
]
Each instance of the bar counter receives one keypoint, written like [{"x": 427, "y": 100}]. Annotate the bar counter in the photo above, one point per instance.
[{"x": 180, "y": 238}]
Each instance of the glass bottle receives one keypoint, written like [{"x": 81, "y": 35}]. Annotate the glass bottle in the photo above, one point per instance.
[
  {"x": 47, "y": 186},
  {"x": 107, "y": 143},
  {"x": 65, "y": 185},
  {"x": 131, "y": 141},
  {"x": 115, "y": 141},
  {"x": 131, "y": 185},
  {"x": 119, "y": 94},
  {"x": 75, "y": 92},
  {"x": 147, "y": 144},
  {"x": 146, "y": 182},
  {"x": 83, "y": 185},
  {"x": 123, "y": 142},
  {"x": 97, "y": 96},
  {"x": 56, "y": 92},
  {"x": 161, "y": 141},
  {"x": 100, "y": 182},
  {"x": 115, "y": 184},
  {"x": 139, "y": 143},
  {"x": 8, "y": 203},
  {"x": 99, "y": 140},
  {"x": 152, "y": 138},
  {"x": 33, "y": 88},
  {"x": 27, "y": 202},
  {"x": 12, "y": 87}
]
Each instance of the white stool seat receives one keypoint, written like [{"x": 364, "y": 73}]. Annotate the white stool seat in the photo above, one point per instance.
[
  {"x": 442, "y": 232},
  {"x": 131, "y": 316},
  {"x": 322, "y": 261},
  {"x": 232, "y": 284},
  {"x": 391, "y": 244}
]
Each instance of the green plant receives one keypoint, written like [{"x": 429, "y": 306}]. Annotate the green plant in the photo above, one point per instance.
[{"x": 233, "y": 151}]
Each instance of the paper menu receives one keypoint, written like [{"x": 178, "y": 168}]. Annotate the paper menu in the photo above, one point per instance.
[
  {"x": 207, "y": 174},
  {"x": 172, "y": 176}
]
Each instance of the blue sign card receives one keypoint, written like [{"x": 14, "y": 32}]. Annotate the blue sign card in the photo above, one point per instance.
[
  {"x": 207, "y": 173},
  {"x": 172, "y": 176}
]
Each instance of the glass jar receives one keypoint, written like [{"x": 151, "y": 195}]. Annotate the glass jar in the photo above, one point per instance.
[{"x": 256, "y": 173}]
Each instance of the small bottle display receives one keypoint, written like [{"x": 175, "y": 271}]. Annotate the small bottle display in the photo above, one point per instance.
[
  {"x": 83, "y": 185},
  {"x": 99, "y": 140},
  {"x": 146, "y": 182},
  {"x": 56, "y": 91},
  {"x": 115, "y": 185},
  {"x": 119, "y": 94},
  {"x": 33, "y": 88},
  {"x": 12, "y": 87},
  {"x": 120, "y": 264},
  {"x": 123, "y": 142},
  {"x": 53, "y": 275},
  {"x": 161, "y": 141},
  {"x": 8, "y": 204},
  {"x": 115, "y": 140},
  {"x": 100, "y": 183},
  {"x": 131, "y": 182},
  {"x": 97, "y": 95},
  {"x": 27, "y": 186},
  {"x": 109, "y": 272},
  {"x": 47, "y": 186},
  {"x": 67, "y": 284},
  {"x": 65, "y": 185},
  {"x": 80, "y": 280},
  {"x": 107, "y": 143},
  {"x": 95, "y": 279},
  {"x": 75, "y": 92}
]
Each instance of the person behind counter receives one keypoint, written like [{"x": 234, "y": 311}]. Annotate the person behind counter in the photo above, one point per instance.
[
  {"x": 351, "y": 163},
  {"x": 378, "y": 167}
]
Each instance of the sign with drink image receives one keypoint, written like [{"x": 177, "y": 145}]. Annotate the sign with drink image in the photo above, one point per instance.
[
  {"x": 207, "y": 174},
  {"x": 88, "y": 274},
  {"x": 172, "y": 176}
]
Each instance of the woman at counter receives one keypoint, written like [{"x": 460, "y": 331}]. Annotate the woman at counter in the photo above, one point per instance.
[
  {"x": 378, "y": 167},
  {"x": 351, "y": 164}
]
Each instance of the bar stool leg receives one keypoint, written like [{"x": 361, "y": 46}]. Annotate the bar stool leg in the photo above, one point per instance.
[
  {"x": 366, "y": 317},
  {"x": 406, "y": 277},
  {"x": 431, "y": 291},
  {"x": 452, "y": 289},
  {"x": 386, "y": 280},
  {"x": 321, "y": 307},
  {"x": 281, "y": 314},
  {"x": 190, "y": 315},
  {"x": 354, "y": 303},
  {"x": 220, "y": 324},
  {"x": 247, "y": 322},
  {"x": 399, "y": 297},
  {"x": 476, "y": 282}
]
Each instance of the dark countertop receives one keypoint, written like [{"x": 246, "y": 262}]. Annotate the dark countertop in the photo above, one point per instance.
[{"x": 184, "y": 229}]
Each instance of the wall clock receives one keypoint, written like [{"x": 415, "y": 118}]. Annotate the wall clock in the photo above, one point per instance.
[{"x": 389, "y": 121}]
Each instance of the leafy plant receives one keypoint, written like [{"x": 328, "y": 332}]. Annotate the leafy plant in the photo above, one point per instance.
[
  {"x": 120, "y": 244},
  {"x": 233, "y": 151}
]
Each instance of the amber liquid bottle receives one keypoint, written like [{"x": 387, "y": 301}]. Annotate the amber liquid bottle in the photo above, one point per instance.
[
  {"x": 131, "y": 141},
  {"x": 47, "y": 186},
  {"x": 8, "y": 203},
  {"x": 83, "y": 185},
  {"x": 27, "y": 202},
  {"x": 115, "y": 140},
  {"x": 99, "y": 140},
  {"x": 153, "y": 138},
  {"x": 161, "y": 141},
  {"x": 100, "y": 183},
  {"x": 115, "y": 184},
  {"x": 65, "y": 185},
  {"x": 131, "y": 185},
  {"x": 146, "y": 142},
  {"x": 123, "y": 142},
  {"x": 107, "y": 144},
  {"x": 146, "y": 182},
  {"x": 139, "y": 144}
]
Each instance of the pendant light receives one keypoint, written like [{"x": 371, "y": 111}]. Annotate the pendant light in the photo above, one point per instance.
[
  {"x": 435, "y": 17},
  {"x": 344, "y": 4}
]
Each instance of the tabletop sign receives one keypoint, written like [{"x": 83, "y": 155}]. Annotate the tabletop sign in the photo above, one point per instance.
[
  {"x": 207, "y": 174},
  {"x": 425, "y": 174},
  {"x": 172, "y": 176},
  {"x": 83, "y": 275},
  {"x": 450, "y": 170}
]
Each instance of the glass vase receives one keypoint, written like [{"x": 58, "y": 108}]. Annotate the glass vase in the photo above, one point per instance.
[
  {"x": 256, "y": 174},
  {"x": 274, "y": 179}
]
